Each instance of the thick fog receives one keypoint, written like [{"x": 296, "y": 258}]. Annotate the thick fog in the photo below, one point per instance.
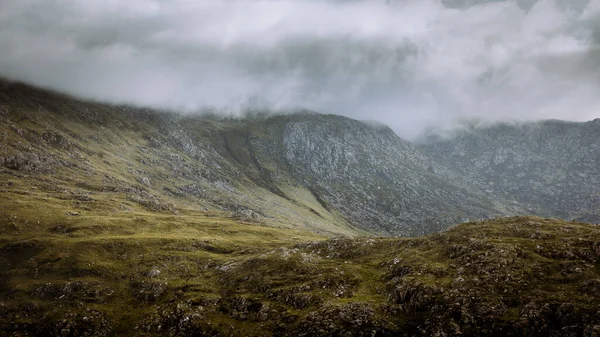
[{"x": 407, "y": 63}]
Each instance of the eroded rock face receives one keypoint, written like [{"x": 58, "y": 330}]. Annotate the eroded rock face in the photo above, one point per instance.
[
  {"x": 30, "y": 162},
  {"x": 549, "y": 167},
  {"x": 379, "y": 181},
  {"x": 329, "y": 173}
]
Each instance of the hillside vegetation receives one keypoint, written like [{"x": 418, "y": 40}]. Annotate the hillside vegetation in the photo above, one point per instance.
[
  {"x": 327, "y": 174},
  {"x": 117, "y": 221},
  {"x": 196, "y": 273}
]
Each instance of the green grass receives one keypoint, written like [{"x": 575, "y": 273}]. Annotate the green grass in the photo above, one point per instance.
[
  {"x": 259, "y": 279},
  {"x": 88, "y": 247}
]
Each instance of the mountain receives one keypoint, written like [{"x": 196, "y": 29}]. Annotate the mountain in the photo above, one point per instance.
[
  {"x": 121, "y": 221},
  {"x": 549, "y": 167},
  {"x": 326, "y": 173}
]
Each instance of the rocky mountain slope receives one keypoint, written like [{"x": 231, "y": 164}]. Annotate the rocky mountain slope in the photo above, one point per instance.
[
  {"x": 329, "y": 174},
  {"x": 325, "y": 173},
  {"x": 550, "y": 167},
  {"x": 118, "y": 221}
]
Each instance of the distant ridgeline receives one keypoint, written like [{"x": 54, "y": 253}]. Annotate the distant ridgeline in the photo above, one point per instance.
[{"x": 328, "y": 174}]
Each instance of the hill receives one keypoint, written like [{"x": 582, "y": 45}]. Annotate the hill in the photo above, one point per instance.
[
  {"x": 126, "y": 221},
  {"x": 147, "y": 274}
]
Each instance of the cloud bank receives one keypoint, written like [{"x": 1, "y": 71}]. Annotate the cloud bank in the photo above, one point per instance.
[{"x": 407, "y": 63}]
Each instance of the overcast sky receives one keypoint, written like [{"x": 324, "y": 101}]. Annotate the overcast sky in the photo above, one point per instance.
[{"x": 406, "y": 63}]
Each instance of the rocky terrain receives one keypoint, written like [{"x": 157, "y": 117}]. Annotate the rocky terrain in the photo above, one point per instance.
[
  {"x": 144, "y": 274},
  {"x": 329, "y": 174},
  {"x": 125, "y": 221},
  {"x": 550, "y": 167}
]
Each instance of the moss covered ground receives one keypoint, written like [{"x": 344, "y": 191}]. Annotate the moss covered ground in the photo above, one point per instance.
[{"x": 107, "y": 266}]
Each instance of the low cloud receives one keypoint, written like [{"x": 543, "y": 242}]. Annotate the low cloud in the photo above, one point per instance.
[{"x": 407, "y": 63}]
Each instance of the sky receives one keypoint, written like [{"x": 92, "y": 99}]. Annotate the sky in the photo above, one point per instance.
[{"x": 410, "y": 64}]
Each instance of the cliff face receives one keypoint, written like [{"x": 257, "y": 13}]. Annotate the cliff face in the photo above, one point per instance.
[
  {"x": 550, "y": 168},
  {"x": 376, "y": 179}
]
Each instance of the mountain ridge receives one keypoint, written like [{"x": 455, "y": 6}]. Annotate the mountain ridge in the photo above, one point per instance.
[
  {"x": 548, "y": 165},
  {"x": 329, "y": 173},
  {"x": 125, "y": 221}
]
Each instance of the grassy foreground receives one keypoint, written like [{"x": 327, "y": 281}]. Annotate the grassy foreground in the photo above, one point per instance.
[{"x": 96, "y": 265}]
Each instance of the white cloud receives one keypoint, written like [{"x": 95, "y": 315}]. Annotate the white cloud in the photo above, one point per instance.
[{"x": 407, "y": 63}]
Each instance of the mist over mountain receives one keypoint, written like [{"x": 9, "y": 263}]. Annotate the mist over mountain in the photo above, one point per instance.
[
  {"x": 409, "y": 64},
  {"x": 207, "y": 225},
  {"x": 326, "y": 173},
  {"x": 549, "y": 167},
  {"x": 299, "y": 168}
]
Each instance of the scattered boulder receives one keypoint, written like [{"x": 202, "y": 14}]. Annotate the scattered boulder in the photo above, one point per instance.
[
  {"x": 247, "y": 215},
  {"x": 145, "y": 181}
]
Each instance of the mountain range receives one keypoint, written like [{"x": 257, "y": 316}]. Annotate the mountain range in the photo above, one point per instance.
[
  {"x": 123, "y": 221},
  {"x": 328, "y": 174}
]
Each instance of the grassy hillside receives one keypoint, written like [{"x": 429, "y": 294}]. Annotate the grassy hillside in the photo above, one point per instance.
[
  {"x": 70, "y": 269},
  {"x": 117, "y": 222},
  {"x": 146, "y": 159},
  {"x": 327, "y": 174}
]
